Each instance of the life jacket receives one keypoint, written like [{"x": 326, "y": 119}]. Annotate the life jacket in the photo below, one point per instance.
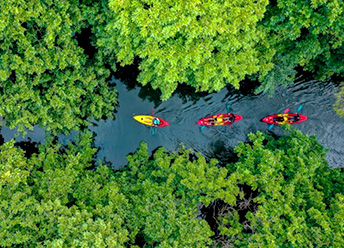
[
  {"x": 281, "y": 119},
  {"x": 156, "y": 121}
]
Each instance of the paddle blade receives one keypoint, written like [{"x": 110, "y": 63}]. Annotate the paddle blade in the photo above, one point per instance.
[
  {"x": 152, "y": 130},
  {"x": 201, "y": 128},
  {"x": 152, "y": 111},
  {"x": 228, "y": 108},
  {"x": 287, "y": 110},
  {"x": 271, "y": 126},
  {"x": 299, "y": 108}
]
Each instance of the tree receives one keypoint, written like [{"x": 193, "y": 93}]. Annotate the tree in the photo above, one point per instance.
[
  {"x": 281, "y": 192},
  {"x": 166, "y": 193},
  {"x": 203, "y": 44},
  {"x": 299, "y": 196},
  {"x": 305, "y": 34},
  {"x": 45, "y": 76},
  {"x": 53, "y": 199}
]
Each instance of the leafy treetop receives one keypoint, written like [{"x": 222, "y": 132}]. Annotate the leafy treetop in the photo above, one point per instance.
[
  {"x": 204, "y": 44},
  {"x": 57, "y": 198},
  {"x": 45, "y": 76},
  {"x": 304, "y": 33}
]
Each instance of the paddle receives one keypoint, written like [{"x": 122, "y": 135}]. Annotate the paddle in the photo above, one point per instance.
[
  {"x": 152, "y": 131},
  {"x": 228, "y": 111},
  {"x": 299, "y": 108},
  {"x": 272, "y": 125},
  {"x": 228, "y": 108}
]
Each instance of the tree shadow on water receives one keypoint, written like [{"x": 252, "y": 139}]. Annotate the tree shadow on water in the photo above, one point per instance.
[
  {"x": 247, "y": 88},
  {"x": 188, "y": 93},
  {"x": 128, "y": 76},
  {"x": 129, "y": 73},
  {"x": 224, "y": 154}
]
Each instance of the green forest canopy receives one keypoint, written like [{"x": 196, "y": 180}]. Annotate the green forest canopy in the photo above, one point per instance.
[
  {"x": 210, "y": 44},
  {"x": 57, "y": 198},
  {"x": 204, "y": 44},
  {"x": 279, "y": 192},
  {"x": 46, "y": 77}
]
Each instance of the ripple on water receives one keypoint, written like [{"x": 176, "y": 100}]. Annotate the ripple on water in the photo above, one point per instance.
[{"x": 116, "y": 138}]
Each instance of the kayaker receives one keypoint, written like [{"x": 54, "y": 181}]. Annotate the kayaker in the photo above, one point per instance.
[
  {"x": 230, "y": 118},
  {"x": 296, "y": 118},
  {"x": 281, "y": 119},
  {"x": 212, "y": 121},
  {"x": 156, "y": 122}
]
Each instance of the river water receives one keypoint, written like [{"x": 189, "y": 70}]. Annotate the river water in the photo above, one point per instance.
[{"x": 119, "y": 137}]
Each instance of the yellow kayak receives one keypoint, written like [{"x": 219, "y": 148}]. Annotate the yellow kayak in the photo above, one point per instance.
[{"x": 148, "y": 120}]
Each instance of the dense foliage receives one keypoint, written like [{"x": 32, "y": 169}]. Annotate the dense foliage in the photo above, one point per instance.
[
  {"x": 204, "y": 44},
  {"x": 166, "y": 193},
  {"x": 306, "y": 34},
  {"x": 55, "y": 198},
  {"x": 300, "y": 199},
  {"x": 52, "y": 199},
  {"x": 209, "y": 44},
  {"x": 45, "y": 77},
  {"x": 280, "y": 193}
]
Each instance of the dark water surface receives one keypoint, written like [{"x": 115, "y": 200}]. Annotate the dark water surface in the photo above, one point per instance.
[{"x": 116, "y": 138}]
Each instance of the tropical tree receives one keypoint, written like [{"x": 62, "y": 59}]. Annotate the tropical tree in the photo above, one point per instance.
[
  {"x": 306, "y": 34},
  {"x": 46, "y": 78},
  {"x": 203, "y": 44},
  {"x": 280, "y": 193},
  {"x": 298, "y": 197},
  {"x": 55, "y": 199},
  {"x": 166, "y": 193}
]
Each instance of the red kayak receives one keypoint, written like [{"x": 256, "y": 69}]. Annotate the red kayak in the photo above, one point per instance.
[
  {"x": 219, "y": 120},
  {"x": 279, "y": 119}
]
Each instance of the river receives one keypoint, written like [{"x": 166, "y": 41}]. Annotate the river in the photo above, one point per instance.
[{"x": 119, "y": 137}]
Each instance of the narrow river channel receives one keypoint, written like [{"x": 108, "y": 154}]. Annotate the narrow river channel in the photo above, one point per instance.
[{"x": 116, "y": 138}]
